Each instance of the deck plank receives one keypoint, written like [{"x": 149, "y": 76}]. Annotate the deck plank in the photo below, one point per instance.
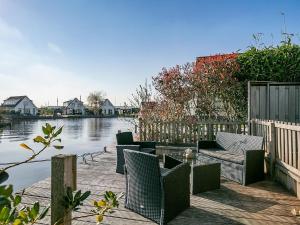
[{"x": 264, "y": 202}]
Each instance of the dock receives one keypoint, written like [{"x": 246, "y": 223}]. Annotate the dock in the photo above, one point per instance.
[{"x": 264, "y": 202}]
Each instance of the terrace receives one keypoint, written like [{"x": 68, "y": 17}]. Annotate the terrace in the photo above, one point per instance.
[{"x": 263, "y": 202}]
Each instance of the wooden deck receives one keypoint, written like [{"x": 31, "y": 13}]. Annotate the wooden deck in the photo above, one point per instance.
[{"x": 261, "y": 203}]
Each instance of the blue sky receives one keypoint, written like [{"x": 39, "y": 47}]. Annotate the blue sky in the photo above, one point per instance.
[{"x": 66, "y": 49}]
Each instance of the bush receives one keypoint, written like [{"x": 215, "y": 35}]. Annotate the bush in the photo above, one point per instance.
[{"x": 280, "y": 63}]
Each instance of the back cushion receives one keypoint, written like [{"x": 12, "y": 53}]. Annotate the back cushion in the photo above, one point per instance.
[
  {"x": 238, "y": 143},
  {"x": 124, "y": 138}
]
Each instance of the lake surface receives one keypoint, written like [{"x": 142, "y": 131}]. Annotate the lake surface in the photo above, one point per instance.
[{"x": 79, "y": 136}]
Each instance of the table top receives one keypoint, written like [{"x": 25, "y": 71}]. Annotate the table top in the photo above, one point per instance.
[{"x": 198, "y": 159}]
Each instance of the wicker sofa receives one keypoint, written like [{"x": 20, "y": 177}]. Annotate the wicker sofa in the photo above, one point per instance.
[
  {"x": 241, "y": 156},
  {"x": 156, "y": 193},
  {"x": 125, "y": 141}
]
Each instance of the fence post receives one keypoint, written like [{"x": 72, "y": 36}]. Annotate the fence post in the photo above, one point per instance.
[
  {"x": 272, "y": 149},
  {"x": 140, "y": 129},
  {"x": 63, "y": 175},
  {"x": 253, "y": 127},
  {"x": 135, "y": 128},
  {"x": 210, "y": 130}
]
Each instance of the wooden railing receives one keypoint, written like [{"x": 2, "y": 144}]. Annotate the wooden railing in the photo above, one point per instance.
[
  {"x": 282, "y": 144},
  {"x": 282, "y": 140},
  {"x": 181, "y": 132},
  {"x": 262, "y": 128}
]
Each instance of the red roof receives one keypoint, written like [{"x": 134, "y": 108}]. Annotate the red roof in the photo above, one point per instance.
[{"x": 214, "y": 58}]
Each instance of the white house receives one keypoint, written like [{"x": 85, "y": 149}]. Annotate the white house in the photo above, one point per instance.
[
  {"x": 20, "y": 104},
  {"x": 74, "y": 106},
  {"x": 107, "y": 108}
]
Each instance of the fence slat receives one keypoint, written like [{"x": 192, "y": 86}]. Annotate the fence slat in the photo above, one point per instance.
[
  {"x": 294, "y": 149},
  {"x": 290, "y": 150}
]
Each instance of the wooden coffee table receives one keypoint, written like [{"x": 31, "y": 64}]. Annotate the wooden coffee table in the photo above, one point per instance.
[{"x": 205, "y": 173}]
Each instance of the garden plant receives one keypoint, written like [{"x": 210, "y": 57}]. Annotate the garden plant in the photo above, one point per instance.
[{"x": 13, "y": 211}]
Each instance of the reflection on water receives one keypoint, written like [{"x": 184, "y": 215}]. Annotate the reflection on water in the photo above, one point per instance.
[{"x": 79, "y": 136}]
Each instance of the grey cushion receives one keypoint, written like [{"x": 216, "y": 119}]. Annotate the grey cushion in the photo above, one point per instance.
[
  {"x": 230, "y": 170},
  {"x": 224, "y": 155},
  {"x": 238, "y": 143}
]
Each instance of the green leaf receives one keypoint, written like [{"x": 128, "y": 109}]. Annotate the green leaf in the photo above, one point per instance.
[
  {"x": 12, "y": 215},
  {"x": 85, "y": 195},
  {"x": 4, "y": 201},
  {"x": 22, "y": 214},
  {"x": 58, "y": 132},
  {"x": 34, "y": 211},
  {"x": 44, "y": 213},
  {"x": 4, "y": 214},
  {"x": 39, "y": 139},
  {"x": 3, "y": 176},
  {"x": 17, "y": 200},
  {"x": 59, "y": 147},
  {"x": 77, "y": 195},
  {"x": 45, "y": 131},
  {"x": 6, "y": 190}
]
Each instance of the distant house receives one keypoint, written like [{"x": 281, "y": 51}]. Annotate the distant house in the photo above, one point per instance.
[
  {"x": 20, "y": 104},
  {"x": 107, "y": 108},
  {"x": 74, "y": 107}
]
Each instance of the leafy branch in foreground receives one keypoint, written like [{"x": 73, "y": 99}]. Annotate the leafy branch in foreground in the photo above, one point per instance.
[
  {"x": 73, "y": 201},
  {"x": 106, "y": 205},
  {"x": 12, "y": 211},
  {"x": 50, "y": 136}
]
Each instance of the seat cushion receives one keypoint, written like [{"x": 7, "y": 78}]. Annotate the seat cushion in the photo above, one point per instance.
[
  {"x": 224, "y": 155},
  {"x": 148, "y": 150}
]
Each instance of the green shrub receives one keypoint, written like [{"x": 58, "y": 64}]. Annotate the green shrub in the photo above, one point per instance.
[{"x": 280, "y": 63}]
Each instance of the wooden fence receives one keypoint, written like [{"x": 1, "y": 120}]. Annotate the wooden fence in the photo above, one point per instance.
[
  {"x": 274, "y": 101},
  {"x": 181, "y": 132},
  {"x": 282, "y": 145}
]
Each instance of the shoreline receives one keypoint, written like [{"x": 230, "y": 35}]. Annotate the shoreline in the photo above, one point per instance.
[{"x": 18, "y": 118}]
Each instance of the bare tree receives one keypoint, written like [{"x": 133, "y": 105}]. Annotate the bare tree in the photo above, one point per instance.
[
  {"x": 142, "y": 94},
  {"x": 95, "y": 100}
]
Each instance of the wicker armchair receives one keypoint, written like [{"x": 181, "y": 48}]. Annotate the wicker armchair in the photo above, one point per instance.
[
  {"x": 125, "y": 141},
  {"x": 156, "y": 193}
]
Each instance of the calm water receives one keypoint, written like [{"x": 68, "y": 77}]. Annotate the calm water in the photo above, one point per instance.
[{"x": 79, "y": 136}]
